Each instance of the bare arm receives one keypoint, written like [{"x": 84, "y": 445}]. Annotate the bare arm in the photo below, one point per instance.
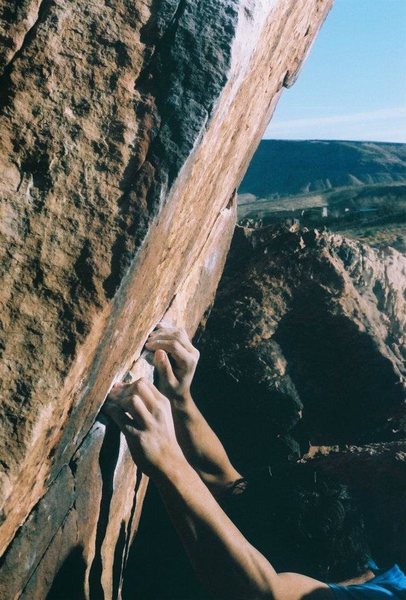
[
  {"x": 198, "y": 441},
  {"x": 223, "y": 559},
  {"x": 225, "y": 562}
]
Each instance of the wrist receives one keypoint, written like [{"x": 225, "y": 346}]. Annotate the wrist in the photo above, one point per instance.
[
  {"x": 182, "y": 403},
  {"x": 171, "y": 470}
]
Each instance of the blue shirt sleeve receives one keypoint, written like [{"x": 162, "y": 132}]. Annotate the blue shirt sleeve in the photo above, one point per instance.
[
  {"x": 363, "y": 592},
  {"x": 387, "y": 585}
]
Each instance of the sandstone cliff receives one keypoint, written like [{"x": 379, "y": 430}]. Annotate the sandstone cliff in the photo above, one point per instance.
[
  {"x": 125, "y": 129},
  {"x": 305, "y": 347}
]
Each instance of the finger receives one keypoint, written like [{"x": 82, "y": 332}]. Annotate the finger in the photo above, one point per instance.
[
  {"x": 164, "y": 368},
  {"x": 121, "y": 394},
  {"x": 125, "y": 398},
  {"x": 168, "y": 337},
  {"x": 172, "y": 333},
  {"x": 128, "y": 398},
  {"x": 140, "y": 411},
  {"x": 173, "y": 347},
  {"x": 120, "y": 418},
  {"x": 116, "y": 391},
  {"x": 164, "y": 324},
  {"x": 164, "y": 334},
  {"x": 149, "y": 394}
]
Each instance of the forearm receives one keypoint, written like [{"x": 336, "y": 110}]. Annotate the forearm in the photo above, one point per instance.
[
  {"x": 202, "y": 447},
  {"x": 198, "y": 441},
  {"x": 223, "y": 559}
]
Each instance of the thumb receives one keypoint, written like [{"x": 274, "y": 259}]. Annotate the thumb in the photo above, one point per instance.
[{"x": 164, "y": 368}]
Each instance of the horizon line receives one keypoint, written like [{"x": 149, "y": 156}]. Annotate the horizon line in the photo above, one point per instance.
[
  {"x": 370, "y": 115},
  {"x": 349, "y": 140}
]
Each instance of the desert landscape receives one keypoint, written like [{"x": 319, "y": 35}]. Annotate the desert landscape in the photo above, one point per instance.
[{"x": 135, "y": 187}]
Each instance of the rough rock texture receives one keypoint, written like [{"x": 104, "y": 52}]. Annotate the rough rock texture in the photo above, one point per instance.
[
  {"x": 377, "y": 474},
  {"x": 305, "y": 353},
  {"x": 313, "y": 323},
  {"x": 78, "y": 548},
  {"x": 125, "y": 129}
]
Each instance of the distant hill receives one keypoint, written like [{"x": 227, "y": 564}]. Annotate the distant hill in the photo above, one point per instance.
[
  {"x": 285, "y": 168},
  {"x": 357, "y": 188}
]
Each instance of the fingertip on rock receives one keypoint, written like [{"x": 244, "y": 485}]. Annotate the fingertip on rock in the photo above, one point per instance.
[
  {"x": 142, "y": 381},
  {"x": 163, "y": 324},
  {"x": 118, "y": 384},
  {"x": 160, "y": 355}
]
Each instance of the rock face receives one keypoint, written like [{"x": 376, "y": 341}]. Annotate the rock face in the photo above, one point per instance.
[
  {"x": 125, "y": 129},
  {"x": 305, "y": 354}
]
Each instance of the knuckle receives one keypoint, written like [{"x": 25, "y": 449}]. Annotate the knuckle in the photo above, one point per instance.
[
  {"x": 160, "y": 397},
  {"x": 165, "y": 406},
  {"x": 177, "y": 345},
  {"x": 141, "y": 383},
  {"x": 193, "y": 357},
  {"x": 184, "y": 336},
  {"x": 117, "y": 387},
  {"x": 189, "y": 360},
  {"x": 162, "y": 400},
  {"x": 134, "y": 402},
  {"x": 160, "y": 410},
  {"x": 134, "y": 385}
]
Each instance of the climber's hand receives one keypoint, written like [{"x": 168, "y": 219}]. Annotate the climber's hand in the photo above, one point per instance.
[
  {"x": 175, "y": 375},
  {"x": 144, "y": 416}
]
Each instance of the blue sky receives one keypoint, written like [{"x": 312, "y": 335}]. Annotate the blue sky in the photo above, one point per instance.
[{"x": 353, "y": 84}]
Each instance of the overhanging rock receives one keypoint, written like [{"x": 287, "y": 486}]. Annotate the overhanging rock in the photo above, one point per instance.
[{"x": 125, "y": 129}]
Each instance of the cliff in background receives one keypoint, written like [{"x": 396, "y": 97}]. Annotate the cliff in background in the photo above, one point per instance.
[
  {"x": 307, "y": 339},
  {"x": 355, "y": 188},
  {"x": 125, "y": 129},
  {"x": 301, "y": 372},
  {"x": 288, "y": 168}
]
